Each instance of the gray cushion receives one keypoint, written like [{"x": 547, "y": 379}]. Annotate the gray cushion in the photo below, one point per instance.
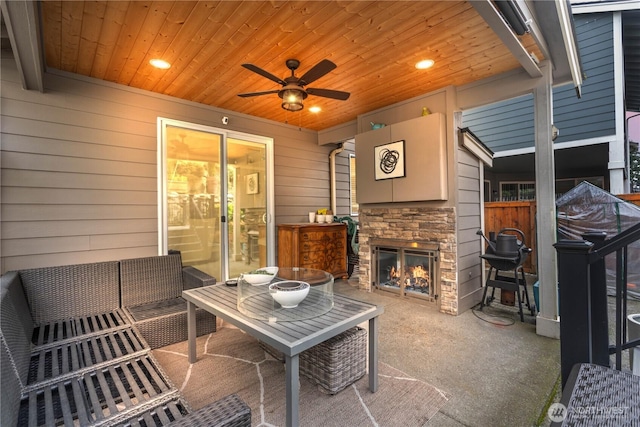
[{"x": 157, "y": 309}]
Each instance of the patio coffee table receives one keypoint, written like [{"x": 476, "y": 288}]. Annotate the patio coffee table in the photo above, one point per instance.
[{"x": 289, "y": 337}]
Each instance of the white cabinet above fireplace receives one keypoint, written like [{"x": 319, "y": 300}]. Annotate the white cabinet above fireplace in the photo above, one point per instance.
[{"x": 423, "y": 155}]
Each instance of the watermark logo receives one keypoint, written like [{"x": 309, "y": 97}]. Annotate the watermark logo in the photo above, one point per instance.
[{"x": 557, "y": 412}]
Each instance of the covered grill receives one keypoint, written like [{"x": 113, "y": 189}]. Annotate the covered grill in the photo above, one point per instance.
[{"x": 505, "y": 254}]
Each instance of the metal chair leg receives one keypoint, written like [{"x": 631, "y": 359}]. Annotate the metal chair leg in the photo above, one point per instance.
[
  {"x": 517, "y": 281},
  {"x": 486, "y": 288},
  {"x": 526, "y": 294}
]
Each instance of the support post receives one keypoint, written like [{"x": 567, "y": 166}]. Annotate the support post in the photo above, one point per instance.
[
  {"x": 575, "y": 313},
  {"x": 547, "y": 322},
  {"x": 599, "y": 304}
]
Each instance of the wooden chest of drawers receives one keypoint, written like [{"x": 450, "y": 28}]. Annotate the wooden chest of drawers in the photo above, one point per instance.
[{"x": 320, "y": 246}]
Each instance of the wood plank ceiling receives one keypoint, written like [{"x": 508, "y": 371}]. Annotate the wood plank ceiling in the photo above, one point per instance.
[{"x": 375, "y": 45}]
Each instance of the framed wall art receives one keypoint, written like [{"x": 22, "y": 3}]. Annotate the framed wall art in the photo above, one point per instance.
[
  {"x": 252, "y": 183},
  {"x": 389, "y": 160}
]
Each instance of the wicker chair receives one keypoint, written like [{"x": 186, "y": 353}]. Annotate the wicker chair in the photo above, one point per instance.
[{"x": 151, "y": 290}]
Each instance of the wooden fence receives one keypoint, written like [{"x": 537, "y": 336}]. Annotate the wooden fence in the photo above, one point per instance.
[
  {"x": 521, "y": 215},
  {"x": 633, "y": 198}
]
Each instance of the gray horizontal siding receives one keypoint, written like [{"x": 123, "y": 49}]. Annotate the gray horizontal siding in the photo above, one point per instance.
[
  {"x": 469, "y": 214},
  {"x": 302, "y": 181},
  {"x": 39, "y": 228},
  {"x": 509, "y": 125},
  {"x": 594, "y": 114},
  {"x": 78, "y": 169},
  {"x": 503, "y": 126}
]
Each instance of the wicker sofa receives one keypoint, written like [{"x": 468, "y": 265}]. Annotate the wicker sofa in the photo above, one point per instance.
[
  {"x": 70, "y": 354},
  {"x": 150, "y": 294}
]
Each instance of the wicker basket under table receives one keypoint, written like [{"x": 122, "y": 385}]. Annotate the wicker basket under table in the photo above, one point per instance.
[{"x": 335, "y": 363}]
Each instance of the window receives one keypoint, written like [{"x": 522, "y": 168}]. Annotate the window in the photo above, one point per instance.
[
  {"x": 353, "y": 203},
  {"x": 487, "y": 192},
  {"x": 511, "y": 191},
  {"x": 564, "y": 185}
]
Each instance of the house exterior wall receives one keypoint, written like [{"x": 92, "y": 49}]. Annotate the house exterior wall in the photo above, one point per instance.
[
  {"x": 593, "y": 115},
  {"x": 508, "y": 125},
  {"x": 503, "y": 126},
  {"x": 78, "y": 169},
  {"x": 470, "y": 204}
]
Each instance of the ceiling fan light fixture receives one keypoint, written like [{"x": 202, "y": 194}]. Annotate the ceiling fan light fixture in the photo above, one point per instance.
[
  {"x": 292, "y": 99},
  {"x": 160, "y": 63},
  {"x": 293, "y": 91},
  {"x": 424, "y": 64}
]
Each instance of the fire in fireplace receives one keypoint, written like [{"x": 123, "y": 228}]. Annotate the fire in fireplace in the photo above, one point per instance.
[{"x": 409, "y": 271}]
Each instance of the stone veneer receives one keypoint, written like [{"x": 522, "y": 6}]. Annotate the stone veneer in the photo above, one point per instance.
[{"x": 423, "y": 224}]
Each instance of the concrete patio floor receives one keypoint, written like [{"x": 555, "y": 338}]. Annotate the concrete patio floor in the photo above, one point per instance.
[{"x": 496, "y": 370}]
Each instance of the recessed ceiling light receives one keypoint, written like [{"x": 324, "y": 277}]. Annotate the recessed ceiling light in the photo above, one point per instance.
[
  {"x": 159, "y": 63},
  {"x": 315, "y": 109},
  {"x": 424, "y": 64}
]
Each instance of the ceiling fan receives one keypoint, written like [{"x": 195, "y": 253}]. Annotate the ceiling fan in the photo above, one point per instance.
[{"x": 293, "y": 91}]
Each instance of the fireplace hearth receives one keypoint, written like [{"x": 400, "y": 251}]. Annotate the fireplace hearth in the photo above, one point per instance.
[{"x": 407, "y": 268}]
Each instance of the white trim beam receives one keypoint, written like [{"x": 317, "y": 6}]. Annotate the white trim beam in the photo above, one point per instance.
[
  {"x": 570, "y": 44},
  {"x": 534, "y": 28},
  {"x": 490, "y": 14},
  {"x": 619, "y": 182},
  {"x": 21, "y": 20},
  {"x": 478, "y": 149},
  {"x": 578, "y": 7},
  {"x": 494, "y": 89},
  {"x": 556, "y": 146}
]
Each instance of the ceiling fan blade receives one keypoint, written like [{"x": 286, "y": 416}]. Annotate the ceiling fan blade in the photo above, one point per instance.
[
  {"x": 247, "y": 95},
  {"x": 317, "y": 71},
  {"x": 328, "y": 93},
  {"x": 264, "y": 73}
]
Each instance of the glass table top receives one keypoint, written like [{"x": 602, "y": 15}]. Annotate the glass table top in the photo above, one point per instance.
[{"x": 276, "y": 299}]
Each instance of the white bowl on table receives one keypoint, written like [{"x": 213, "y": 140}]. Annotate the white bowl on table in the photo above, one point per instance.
[
  {"x": 261, "y": 276},
  {"x": 289, "y": 293}
]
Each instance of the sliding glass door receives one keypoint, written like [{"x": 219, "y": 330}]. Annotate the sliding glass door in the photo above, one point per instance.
[
  {"x": 247, "y": 206},
  {"x": 215, "y": 198}
]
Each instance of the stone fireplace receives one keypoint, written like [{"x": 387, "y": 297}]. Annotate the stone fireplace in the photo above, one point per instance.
[
  {"x": 417, "y": 227},
  {"x": 412, "y": 230}
]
